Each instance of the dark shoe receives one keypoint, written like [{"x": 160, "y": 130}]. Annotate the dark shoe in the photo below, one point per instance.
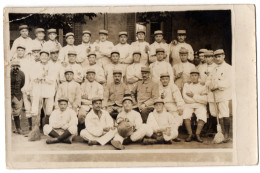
[
  {"x": 68, "y": 140},
  {"x": 52, "y": 141},
  {"x": 117, "y": 145},
  {"x": 167, "y": 142},
  {"x": 20, "y": 132},
  {"x": 127, "y": 141},
  {"x": 189, "y": 138},
  {"x": 30, "y": 128},
  {"x": 177, "y": 140},
  {"x": 149, "y": 141},
  {"x": 92, "y": 142},
  {"x": 199, "y": 139}
]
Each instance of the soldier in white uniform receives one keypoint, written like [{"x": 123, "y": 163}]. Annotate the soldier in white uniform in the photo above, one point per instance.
[
  {"x": 182, "y": 69},
  {"x": 35, "y": 56},
  {"x": 63, "y": 55},
  {"x": 158, "y": 43},
  {"x": 160, "y": 66},
  {"x": 138, "y": 130},
  {"x": 84, "y": 49},
  {"x": 162, "y": 125},
  {"x": 133, "y": 71},
  {"x": 175, "y": 47},
  {"x": 142, "y": 46},
  {"x": 63, "y": 124},
  {"x": 103, "y": 48},
  {"x": 54, "y": 54},
  {"x": 39, "y": 40},
  {"x": 52, "y": 43},
  {"x": 100, "y": 74},
  {"x": 24, "y": 39},
  {"x": 77, "y": 69},
  {"x": 202, "y": 56},
  {"x": 69, "y": 89},
  {"x": 99, "y": 125},
  {"x": 220, "y": 84},
  {"x": 173, "y": 101},
  {"x": 195, "y": 97},
  {"x": 89, "y": 90},
  {"x": 124, "y": 49}
]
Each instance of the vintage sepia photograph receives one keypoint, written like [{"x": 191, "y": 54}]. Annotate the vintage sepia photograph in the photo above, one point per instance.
[{"x": 86, "y": 86}]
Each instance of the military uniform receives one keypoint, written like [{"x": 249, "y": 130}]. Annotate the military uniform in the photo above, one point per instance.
[
  {"x": 63, "y": 55},
  {"x": 51, "y": 44},
  {"x": 109, "y": 68},
  {"x": 37, "y": 42}
]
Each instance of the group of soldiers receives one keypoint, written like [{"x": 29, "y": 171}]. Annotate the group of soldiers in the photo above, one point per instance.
[{"x": 117, "y": 94}]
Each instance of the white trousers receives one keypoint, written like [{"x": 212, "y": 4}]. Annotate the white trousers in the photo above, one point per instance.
[
  {"x": 223, "y": 108},
  {"x": 172, "y": 108},
  {"x": 200, "y": 112},
  {"x": 47, "y": 129}
]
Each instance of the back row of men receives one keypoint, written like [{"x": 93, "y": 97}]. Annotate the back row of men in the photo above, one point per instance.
[{"x": 183, "y": 88}]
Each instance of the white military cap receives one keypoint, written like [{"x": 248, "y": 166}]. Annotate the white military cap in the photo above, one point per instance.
[{"x": 219, "y": 51}]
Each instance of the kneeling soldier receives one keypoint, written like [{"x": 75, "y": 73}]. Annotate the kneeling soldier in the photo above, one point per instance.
[
  {"x": 130, "y": 126},
  {"x": 162, "y": 124},
  {"x": 62, "y": 125},
  {"x": 195, "y": 97}
]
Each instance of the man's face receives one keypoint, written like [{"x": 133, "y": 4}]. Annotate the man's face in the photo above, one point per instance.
[
  {"x": 117, "y": 78},
  {"x": 36, "y": 55},
  {"x": 20, "y": 52},
  {"x": 145, "y": 75},
  {"x": 97, "y": 105},
  {"x": 159, "y": 107},
  {"x": 136, "y": 58},
  {"x": 91, "y": 77},
  {"x": 72, "y": 58},
  {"x": 160, "y": 56},
  {"x": 209, "y": 59},
  {"x": 128, "y": 105},
  {"x": 196, "y": 60},
  {"x": 140, "y": 35},
  {"x": 103, "y": 37},
  {"x": 15, "y": 68},
  {"x": 158, "y": 38},
  {"x": 54, "y": 56},
  {"x": 92, "y": 59},
  {"x": 24, "y": 33},
  {"x": 70, "y": 40},
  {"x": 219, "y": 59},
  {"x": 181, "y": 38},
  {"x": 165, "y": 81},
  {"x": 202, "y": 58},
  {"x": 184, "y": 57},
  {"x": 86, "y": 38},
  {"x": 69, "y": 76},
  {"x": 114, "y": 58},
  {"x": 194, "y": 77},
  {"x": 52, "y": 36},
  {"x": 44, "y": 57},
  {"x": 40, "y": 35},
  {"x": 63, "y": 105},
  {"x": 123, "y": 39}
]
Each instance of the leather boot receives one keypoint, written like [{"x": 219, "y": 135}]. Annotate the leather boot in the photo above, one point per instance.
[
  {"x": 198, "y": 130},
  {"x": 52, "y": 141},
  {"x": 127, "y": 141},
  {"x": 227, "y": 127},
  {"x": 54, "y": 134},
  {"x": 30, "y": 123},
  {"x": 149, "y": 141},
  {"x": 18, "y": 125},
  {"x": 46, "y": 120},
  {"x": 187, "y": 123},
  {"x": 64, "y": 137},
  {"x": 117, "y": 145}
]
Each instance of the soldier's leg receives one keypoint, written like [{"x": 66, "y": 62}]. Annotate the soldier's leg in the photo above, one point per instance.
[
  {"x": 187, "y": 113},
  {"x": 48, "y": 107},
  {"x": 145, "y": 112},
  {"x": 107, "y": 137},
  {"x": 83, "y": 111},
  {"x": 87, "y": 136},
  {"x": 224, "y": 114},
  {"x": 201, "y": 114},
  {"x": 16, "y": 112},
  {"x": 27, "y": 106},
  {"x": 140, "y": 133}
]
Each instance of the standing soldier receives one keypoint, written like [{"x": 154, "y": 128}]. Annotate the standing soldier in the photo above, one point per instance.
[
  {"x": 24, "y": 39},
  {"x": 124, "y": 49},
  {"x": 89, "y": 90},
  {"x": 141, "y": 45},
  {"x": 63, "y": 124},
  {"x": 39, "y": 40},
  {"x": 160, "y": 66},
  {"x": 182, "y": 69},
  {"x": 158, "y": 43},
  {"x": 146, "y": 91},
  {"x": 175, "y": 47},
  {"x": 77, "y": 69},
  {"x": 99, "y": 71},
  {"x": 52, "y": 43},
  {"x": 84, "y": 48},
  {"x": 54, "y": 54},
  {"x": 69, "y": 89},
  {"x": 17, "y": 83},
  {"x": 99, "y": 125},
  {"x": 219, "y": 83},
  {"x": 202, "y": 56},
  {"x": 173, "y": 101},
  {"x": 114, "y": 94},
  {"x": 63, "y": 56},
  {"x": 133, "y": 71},
  {"x": 195, "y": 97},
  {"x": 103, "y": 48}
]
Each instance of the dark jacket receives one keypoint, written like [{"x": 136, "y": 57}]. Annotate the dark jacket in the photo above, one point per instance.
[{"x": 17, "y": 82}]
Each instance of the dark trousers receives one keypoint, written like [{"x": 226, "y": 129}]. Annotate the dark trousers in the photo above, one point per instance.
[{"x": 145, "y": 112}]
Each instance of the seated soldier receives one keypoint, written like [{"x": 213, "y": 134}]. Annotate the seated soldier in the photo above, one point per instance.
[
  {"x": 195, "y": 97},
  {"x": 89, "y": 89},
  {"x": 130, "y": 126},
  {"x": 162, "y": 124},
  {"x": 114, "y": 94},
  {"x": 99, "y": 125},
  {"x": 62, "y": 124}
]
